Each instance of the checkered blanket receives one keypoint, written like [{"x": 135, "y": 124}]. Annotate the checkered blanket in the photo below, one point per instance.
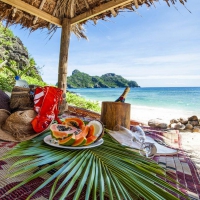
[{"x": 179, "y": 166}]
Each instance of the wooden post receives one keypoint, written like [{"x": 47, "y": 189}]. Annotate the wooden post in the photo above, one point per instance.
[
  {"x": 63, "y": 61},
  {"x": 115, "y": 113}
]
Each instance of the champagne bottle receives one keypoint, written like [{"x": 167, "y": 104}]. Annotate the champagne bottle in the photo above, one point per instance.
[{"x": 123, "y": 95}]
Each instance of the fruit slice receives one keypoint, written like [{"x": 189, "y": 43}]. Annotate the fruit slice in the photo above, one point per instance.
[
  {"x": 96, "y": 129},
  {"x": 91, "y": 130},
  {"x": 80, "y": 138},
  {"x": 90, "y": 140},
  {"x": 79, "y": 142},
  {"x": 67, "y": 141},
  {"x": 83, "y": 133},
  {"x": 74, "y": 121},
  {"x": 60, "y": 131}
]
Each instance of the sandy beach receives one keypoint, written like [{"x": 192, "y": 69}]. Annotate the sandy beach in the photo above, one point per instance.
[
  {"x": 144, "y": 114},
  {"x": 190, "y": 143},
  {"x": 189, "y": 140}
]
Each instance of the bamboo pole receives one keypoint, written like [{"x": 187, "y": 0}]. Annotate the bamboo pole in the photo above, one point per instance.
[{"x": 63, "y": 61}]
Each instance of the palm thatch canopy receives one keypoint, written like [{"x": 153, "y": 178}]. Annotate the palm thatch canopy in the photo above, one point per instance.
[{"x": 49, "y": 14}]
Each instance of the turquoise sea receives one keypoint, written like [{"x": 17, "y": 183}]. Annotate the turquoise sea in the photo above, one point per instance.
[{"x": 186, "y": 99}]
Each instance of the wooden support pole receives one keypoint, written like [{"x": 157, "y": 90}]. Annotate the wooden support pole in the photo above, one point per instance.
[{"x": 63, "y": 61}]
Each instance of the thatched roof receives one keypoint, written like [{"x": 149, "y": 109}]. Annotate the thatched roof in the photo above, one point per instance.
[{"x": 35, "y": 14}]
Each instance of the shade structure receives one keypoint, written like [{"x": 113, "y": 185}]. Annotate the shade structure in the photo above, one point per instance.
[
  {"x": 49, "y": 14},
  {"x": 68, "y": 14}
]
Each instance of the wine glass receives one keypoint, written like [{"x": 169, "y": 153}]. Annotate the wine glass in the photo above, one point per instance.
[
  {"x": 148, "y": 149},
  {"x": 138, "y": 134},
  {"x": 135, "y": 138}
]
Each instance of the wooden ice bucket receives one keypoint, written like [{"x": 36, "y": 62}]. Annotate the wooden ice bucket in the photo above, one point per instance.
[{"x": 115, "y": 113}]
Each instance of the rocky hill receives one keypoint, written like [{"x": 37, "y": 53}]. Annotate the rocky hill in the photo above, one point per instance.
[
  {"x": 12, "y": 49},
  {"x": 110, "y": 80}
]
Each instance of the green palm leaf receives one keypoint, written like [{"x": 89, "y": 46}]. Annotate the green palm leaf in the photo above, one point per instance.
[
  {"x": 84, "y": 179},
  {"x": 90, "y": 180},
  {"x": 108, "y": 170}
]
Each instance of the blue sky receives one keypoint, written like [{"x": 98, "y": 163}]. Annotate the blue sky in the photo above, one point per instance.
[{"x": 156, "y": 47}]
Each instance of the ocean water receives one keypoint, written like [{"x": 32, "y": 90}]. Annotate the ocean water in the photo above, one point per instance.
[{"x": 186, "y": 99}]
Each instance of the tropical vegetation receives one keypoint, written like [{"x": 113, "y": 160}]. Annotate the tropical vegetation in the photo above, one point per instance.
[
  {"x": 81, "y": 102},
  {"x": 8, "y": 73},
  {"x": 16, "y": 54},
  {"x": 15, "y": 60}
]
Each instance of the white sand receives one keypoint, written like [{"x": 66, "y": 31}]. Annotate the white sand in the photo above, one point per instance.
[
  {"x": 144, "y": 114},
  {"x": 191, "y": 144},
  {"x": 190, "y": 141}
]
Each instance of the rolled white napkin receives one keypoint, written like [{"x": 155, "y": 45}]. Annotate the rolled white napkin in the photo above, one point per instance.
[{"x": 136, "y": 139}]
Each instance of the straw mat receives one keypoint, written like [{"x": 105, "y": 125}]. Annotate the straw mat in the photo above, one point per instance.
[{"x": 178, "y": 166}]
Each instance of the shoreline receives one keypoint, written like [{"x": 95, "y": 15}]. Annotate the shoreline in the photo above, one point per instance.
[{"x": 143, "y": 114}]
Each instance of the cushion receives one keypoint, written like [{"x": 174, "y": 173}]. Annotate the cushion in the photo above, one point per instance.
[{"x": 4, "y": 101}]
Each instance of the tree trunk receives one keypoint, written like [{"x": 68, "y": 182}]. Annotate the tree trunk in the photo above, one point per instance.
[
  {"x": 115, "y": 113},
  {"x": 63, "y": 61}
]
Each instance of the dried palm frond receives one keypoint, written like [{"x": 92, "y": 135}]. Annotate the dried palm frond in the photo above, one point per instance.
[{"x": 67, "y": 9}]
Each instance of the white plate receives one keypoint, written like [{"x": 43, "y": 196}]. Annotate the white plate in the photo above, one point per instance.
[{"x": 95, "y": 144}]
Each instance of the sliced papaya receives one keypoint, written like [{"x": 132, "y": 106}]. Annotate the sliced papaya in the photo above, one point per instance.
[
  {"x": 74, "y": 121},
  {"x": 60, "y": 131},
  {"x": 67, "y": 141},
  {"x": 90, "y": 140},
  {"x": 83, "y": 133},
  {"x": 91, "y": 131},
  {"x": 80, "y": 138},
  {"x": 79, "y": 142},
  {"x": 96, "y": 129}
]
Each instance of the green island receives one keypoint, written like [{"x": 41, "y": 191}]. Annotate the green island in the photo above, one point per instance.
[{"x": 110, "y": 80}]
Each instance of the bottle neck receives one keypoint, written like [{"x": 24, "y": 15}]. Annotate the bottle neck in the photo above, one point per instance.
[
  {"x": 123, "y": 95},
  {"x": 126, "y": 91}
]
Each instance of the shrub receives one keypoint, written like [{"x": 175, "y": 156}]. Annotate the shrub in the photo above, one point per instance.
[
  {"x": 81, "y": 102},
  {"x": 6, "y": 82},
  {"x": 33, "y": 81}
]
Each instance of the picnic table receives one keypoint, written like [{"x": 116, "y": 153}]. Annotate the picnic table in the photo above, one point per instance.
[{"x": 179, "y": 167}]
